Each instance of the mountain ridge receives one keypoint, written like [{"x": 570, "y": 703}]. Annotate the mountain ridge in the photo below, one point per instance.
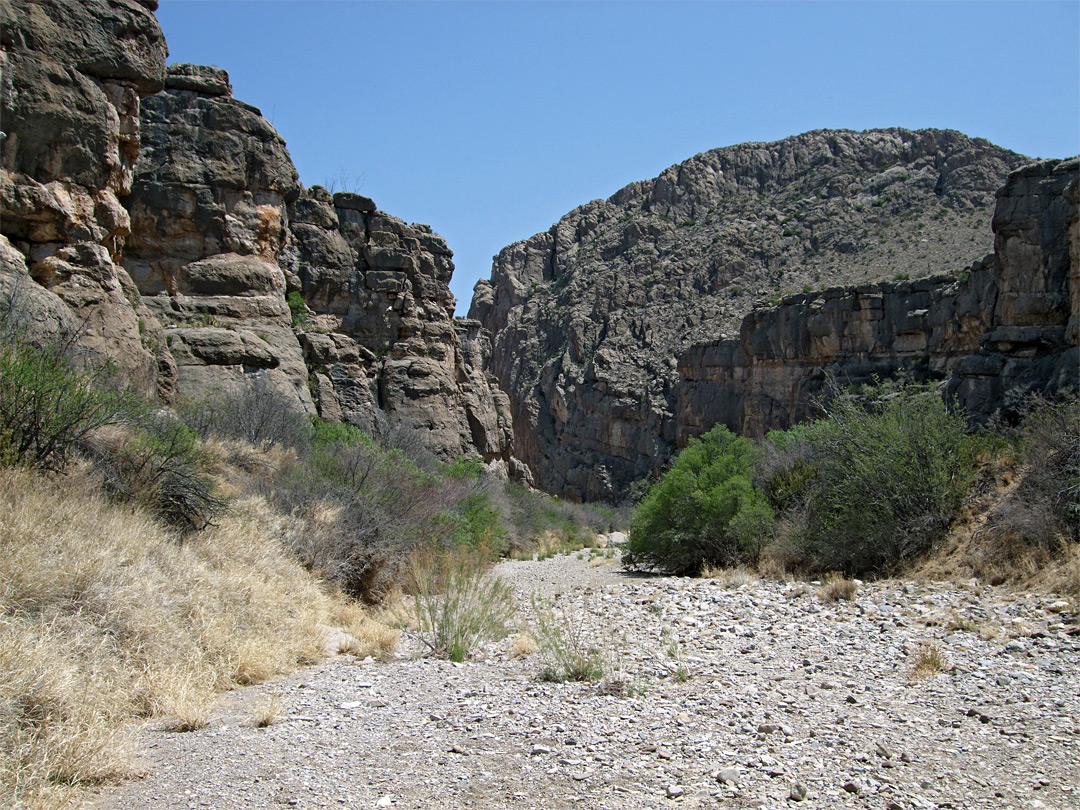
[{"x": 589, "y": 317}]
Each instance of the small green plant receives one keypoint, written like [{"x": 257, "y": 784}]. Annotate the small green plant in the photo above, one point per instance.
[
  {"x": 297, "y": 309},
  {"x": 458, "y": 604},
  {"x": 568, "y": 650}
]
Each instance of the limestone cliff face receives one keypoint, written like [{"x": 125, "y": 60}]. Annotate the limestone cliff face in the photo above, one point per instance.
[
  {"x": 222, "y": 230},
  {"x": 382, "y": 343},
  {"x": 73, "y": 76},
  {"x": 589, "y": 318},
  {"x": 160, "y": 223},
  {"x": 1005, "y": 328},
  {"x": 208, "y": 220}
]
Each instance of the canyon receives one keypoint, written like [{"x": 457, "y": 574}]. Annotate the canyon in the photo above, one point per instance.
[{"x": 151, "y": 219}]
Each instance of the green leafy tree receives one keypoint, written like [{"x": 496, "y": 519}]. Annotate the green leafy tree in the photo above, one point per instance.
[
  {"x": 892, "y": 468},
  {"x": 705, "y": 509}
]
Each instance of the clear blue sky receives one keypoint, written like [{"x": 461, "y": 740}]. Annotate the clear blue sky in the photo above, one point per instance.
[{"x": 491, "y": 120}]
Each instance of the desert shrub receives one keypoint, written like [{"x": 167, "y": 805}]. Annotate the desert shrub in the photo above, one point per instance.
[
  {"x": 157, "y": 462},
  {"x": 1045, "y": 507},
  {"x": 258, "y": 413},
  {"x": 366, "y": 507},
  {"x": 536, "y": 521},
  {"x": 704, "y": 510},
  {"x": 568, "y": 647},
  {"x": 458, "y": 603},
  {"x": 891, "y": 471},
  {"x": 48, "y": 406}
]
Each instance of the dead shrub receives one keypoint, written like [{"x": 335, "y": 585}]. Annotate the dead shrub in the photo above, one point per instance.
[{"x": 837, "y": 588}]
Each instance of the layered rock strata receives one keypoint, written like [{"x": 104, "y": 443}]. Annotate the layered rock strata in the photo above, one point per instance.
[
  {"x": 1000, "y": 331},
  {"x": 152, "y": 219},
  {"x": 73, "y": 77},
  {"x": 589, "y": 318}
]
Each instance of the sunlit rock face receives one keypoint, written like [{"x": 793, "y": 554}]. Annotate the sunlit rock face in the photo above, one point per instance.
[
  {"x": 74, "y": 75},
  {"x": 590, "y": 318}
]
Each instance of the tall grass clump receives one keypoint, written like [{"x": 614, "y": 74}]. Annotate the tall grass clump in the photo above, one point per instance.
[
  {"x": 705, "y": 510},
  {"x": 458, "y": 603},
  {"x": 568, "y": 647}
]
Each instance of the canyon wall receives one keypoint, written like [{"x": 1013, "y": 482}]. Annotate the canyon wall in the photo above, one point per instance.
[
  {"x": 152, "y": 219},
  {"x": 591, "y": 317},
  {"x": 1003, "y": 329},
  {"x": 73, "y": 78}
]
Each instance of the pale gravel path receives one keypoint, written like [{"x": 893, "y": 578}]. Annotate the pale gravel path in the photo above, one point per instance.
[{"x": 783, "y": 689}]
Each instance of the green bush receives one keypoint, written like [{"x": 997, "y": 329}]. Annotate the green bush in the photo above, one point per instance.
[
  {"x": 47, "y": 406},
  {"x": 704, "y": 510},
  {"x": 892, "y": 469}
]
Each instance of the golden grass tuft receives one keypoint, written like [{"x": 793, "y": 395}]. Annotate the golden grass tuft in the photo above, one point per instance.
[
  {"x": 267, "y": 711},
  {"x": 728, "y": 577},
  {"x": 106, "y": 617},
  {"x": 523, "y": 645},
  {"x": 929, "y": 660},
  {"x": 837, "y": 588}
]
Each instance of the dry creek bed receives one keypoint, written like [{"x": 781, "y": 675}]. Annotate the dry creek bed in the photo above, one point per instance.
[{"x": 732, "y": 696}]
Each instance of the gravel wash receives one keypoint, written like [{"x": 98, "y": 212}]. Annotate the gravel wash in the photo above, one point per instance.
[{"x": 726, "y": 695}]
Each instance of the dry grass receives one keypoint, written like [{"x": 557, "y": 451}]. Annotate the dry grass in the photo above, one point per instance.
[
  {"x": 267, "y": 711},
  {"x": 106, "y": 618},
  {"x": 733, "y": 578},
  {"x": 524, "y": 645},
  {"x": 837, "y": 588},
  {"x": 929, "y": 660}
]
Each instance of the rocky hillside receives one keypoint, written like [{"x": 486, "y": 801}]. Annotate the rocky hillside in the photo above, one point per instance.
[
  {"x": 160, "y": 223},
  {"x": 589, "y": 318},
  {"x": 1007, "y": 326}
]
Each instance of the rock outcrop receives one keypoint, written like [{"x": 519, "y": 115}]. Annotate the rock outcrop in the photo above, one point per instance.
[
  {"x": 1003, "y": 329},
  {"x": 381, "y": 341},
  {"x": 154, "y": 220},
  {"x": 589, "y": 318},
  {"x": 73, "y": 78},
  {"x": 208, "y": 220}
]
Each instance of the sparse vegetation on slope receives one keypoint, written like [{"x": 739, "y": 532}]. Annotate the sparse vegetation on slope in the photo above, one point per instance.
[{"x": 105, "y": 618}]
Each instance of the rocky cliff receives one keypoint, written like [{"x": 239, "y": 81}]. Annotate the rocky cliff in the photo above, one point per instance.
[
  {"x": 381, "y": 341},
  {"x": 1006, "y": 327},
  {"x": 589, "y": 318},
  {"x": 73, "y": 76},
  {"x": 157, "y": 221}
]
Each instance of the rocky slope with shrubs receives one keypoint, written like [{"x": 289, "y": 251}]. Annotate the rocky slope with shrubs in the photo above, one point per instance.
[
  {"x": 1006, "y": 327},
  {"x": 154, "y": 220},
  {"x": 590, "y": 317}
]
